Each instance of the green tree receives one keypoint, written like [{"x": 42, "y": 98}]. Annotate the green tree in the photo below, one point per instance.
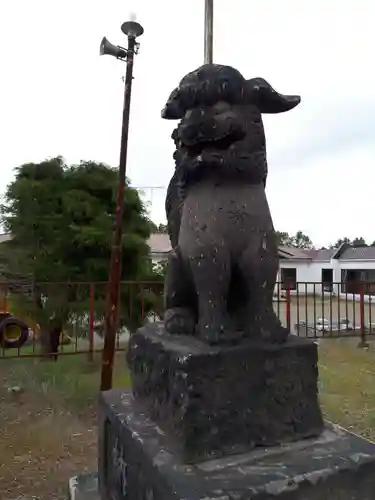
[
  {"x": 356, "y": 242},
  {"x": 359, "y": 242},
  {"x": 299, "y": 240},
  {"x": 284, "y": 238},
  {"x": 340, "y": 241},
  {"x": 61, "y": 218},
  {"x": 162, "y": 228}
]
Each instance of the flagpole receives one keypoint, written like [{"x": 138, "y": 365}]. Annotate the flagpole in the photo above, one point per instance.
[{"x": 208, "y": 31}]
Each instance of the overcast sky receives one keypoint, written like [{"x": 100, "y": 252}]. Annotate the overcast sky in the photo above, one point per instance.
[{"x": 58, "y": 97}]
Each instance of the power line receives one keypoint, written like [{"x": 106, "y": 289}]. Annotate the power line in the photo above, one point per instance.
[{"x": 151, "y": 188}]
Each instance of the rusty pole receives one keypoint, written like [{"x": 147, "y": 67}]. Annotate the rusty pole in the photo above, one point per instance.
[
  {"x": 115, "y": 267},
  {"x": 91, "y": 322},
  {"x": 208, "y": 31}
]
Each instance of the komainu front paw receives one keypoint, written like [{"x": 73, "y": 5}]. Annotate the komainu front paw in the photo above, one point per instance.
[{"x": 179, "y": 321}]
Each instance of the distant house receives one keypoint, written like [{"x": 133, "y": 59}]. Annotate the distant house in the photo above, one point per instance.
[
  {"x": 295, "y": 264},
  {"x": 5, "y": 237},
  {"x": 160, "y": 247},
  {"x": 305, "y": 271},
  {"x": 342, "y": 271},
  {"x": 353, "y": 267}
]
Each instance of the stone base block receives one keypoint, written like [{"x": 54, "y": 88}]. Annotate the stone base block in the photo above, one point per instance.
[
  {"x": 136, "y": 462},
  {"x": 217, "y": 401},
  {"x": 84, "y": 487}
]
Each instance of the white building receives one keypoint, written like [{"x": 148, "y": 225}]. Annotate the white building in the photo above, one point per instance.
[
  {"x": 5, "y": 237},
  {"x": 346, "y": 270},
  {"x": 306, "y": 271},
  {"x": 339, "y": 271},
  {"x": 160, "y": 246}
]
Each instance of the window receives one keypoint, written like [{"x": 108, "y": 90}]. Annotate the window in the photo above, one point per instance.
[
  {"x": 357, "y": 281},
  {"x": 327, "y": 279},
  {"x": 288, "y": 278}
]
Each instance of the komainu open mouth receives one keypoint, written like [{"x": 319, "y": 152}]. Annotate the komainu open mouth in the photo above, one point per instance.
[
  {"x": 219, "y": 145},
  {"x": 213, "y": 133}
]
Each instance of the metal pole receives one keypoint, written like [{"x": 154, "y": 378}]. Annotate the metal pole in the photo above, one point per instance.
[
  {"x": 208, "y": 31},
  {"x": 116, "y": 253},
  {"x": 91, "y": 322}
]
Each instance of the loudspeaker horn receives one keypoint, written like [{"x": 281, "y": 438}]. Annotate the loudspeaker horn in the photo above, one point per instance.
[{"x": 107, "y": 48}]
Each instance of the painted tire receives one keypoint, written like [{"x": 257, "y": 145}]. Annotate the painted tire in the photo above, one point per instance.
[{"x": 13, "y": 333}]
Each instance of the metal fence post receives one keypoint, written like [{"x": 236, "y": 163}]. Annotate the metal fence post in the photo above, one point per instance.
[
  {"x": 363, "y": 342},
  {"x": 90, "y": 356},
  {"x": 288, "y": 308}
]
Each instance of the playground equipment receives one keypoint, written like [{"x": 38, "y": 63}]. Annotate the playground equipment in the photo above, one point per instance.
[{"x": 13, "y": 331}]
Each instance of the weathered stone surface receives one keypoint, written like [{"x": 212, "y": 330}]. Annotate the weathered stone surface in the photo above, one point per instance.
[
  {"x": 222, "y": 270},
  {"x": 84, "y": 487},
  {"x": 215, "y": 401},
  {"x": 137, "y": 463}
]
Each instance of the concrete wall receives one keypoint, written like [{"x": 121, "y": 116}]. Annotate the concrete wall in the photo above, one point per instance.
[
  {"x": 355, "y": 264},
  {"x": 309, "y": 275}
]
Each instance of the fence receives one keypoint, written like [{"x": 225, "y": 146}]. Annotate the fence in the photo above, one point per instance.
[
  {"x": 82, "y": 307},
  {"x": 320, "y": 314},
  {"x": 315, "y": 310}
]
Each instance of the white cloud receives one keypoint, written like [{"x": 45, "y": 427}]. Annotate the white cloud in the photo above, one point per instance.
[
  {"x": 328, "y": 197},
  {"x": 57, "y": 96}
]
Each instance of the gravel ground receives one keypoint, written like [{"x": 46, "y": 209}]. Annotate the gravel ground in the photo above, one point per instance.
[{"x": 48, "y": 427}]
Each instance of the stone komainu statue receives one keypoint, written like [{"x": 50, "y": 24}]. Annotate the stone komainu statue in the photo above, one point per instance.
[{"x": 222, "y": 270}]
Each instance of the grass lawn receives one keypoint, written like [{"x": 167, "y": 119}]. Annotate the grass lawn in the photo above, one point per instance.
[
  {"x": 347, "y": 385},
  {"x": 48, "y": 429}
]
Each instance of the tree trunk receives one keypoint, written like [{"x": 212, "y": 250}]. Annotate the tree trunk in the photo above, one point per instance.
[
  {"x": 45, "y": 344},
  {"x": 50, "y": 341},
  {"x": 50, "y": 335},
  {"x": 55, "y": 336}
]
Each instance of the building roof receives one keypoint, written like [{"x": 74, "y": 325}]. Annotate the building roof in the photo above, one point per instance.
[
  {"x": 321, "y": 255},
  {"x": 293, "y": 253},
  {"x": 159, "y": 243},
  {"x": 5, "y": 237},
  {"x": 357, "y": 253}
]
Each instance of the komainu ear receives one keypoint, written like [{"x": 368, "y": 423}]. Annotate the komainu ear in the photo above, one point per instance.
[{"x": 260, "y": 93}]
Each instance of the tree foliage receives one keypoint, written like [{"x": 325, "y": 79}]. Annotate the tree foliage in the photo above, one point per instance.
[
  {"x": 162, "y": 228},
  {"x": 299, "y": 240},
  {"x": 355, "y": 242},
  {"x": 61, "y": 218},
  {"x": 302, "y": 240}
]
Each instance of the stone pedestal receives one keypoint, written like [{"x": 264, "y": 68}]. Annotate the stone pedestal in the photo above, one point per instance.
[
  {"x": 137, "y": 462},
  {"x": 219, "y": 401},
  {"x": 238, "y": 423},
  {"x": 84, "y": 487}
]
